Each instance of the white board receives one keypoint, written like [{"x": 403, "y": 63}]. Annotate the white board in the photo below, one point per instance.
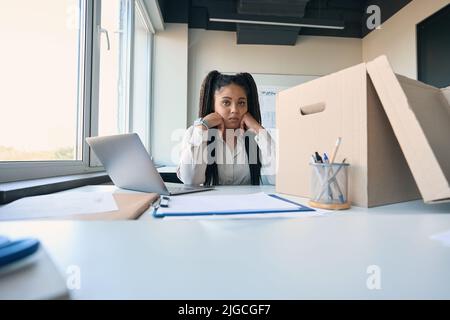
[{"x": 268, "y": 86}]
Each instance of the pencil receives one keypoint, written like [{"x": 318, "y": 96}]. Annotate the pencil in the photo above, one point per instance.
[{"x": 335, "y": 150}]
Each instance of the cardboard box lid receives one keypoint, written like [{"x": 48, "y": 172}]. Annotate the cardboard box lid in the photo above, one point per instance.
[{"x": 420, "y": 117}]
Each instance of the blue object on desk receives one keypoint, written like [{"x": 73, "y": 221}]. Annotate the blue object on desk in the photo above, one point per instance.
[
  {"x": 12, "y": 251},
  {"x": 300, "y": 208},
  {"x": 3, "y": 240}
]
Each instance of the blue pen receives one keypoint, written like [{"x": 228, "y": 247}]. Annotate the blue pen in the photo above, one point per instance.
[
  {"x": 327, "y": 161},
  {"x": 333, "y": 180},
  {"x": 340, "y": 196}
]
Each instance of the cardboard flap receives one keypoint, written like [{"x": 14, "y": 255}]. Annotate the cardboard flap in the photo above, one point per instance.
[{"x": 420, "y": 117}]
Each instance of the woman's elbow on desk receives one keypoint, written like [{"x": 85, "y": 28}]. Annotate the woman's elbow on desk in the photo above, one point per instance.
[{"x": 188, "y": 175}]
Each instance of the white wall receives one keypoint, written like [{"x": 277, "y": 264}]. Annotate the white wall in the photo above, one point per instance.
[
  {"x": 217, "y": 50},
  {"x": 170, "y": 77},
  {"x": 397, "y": 36}
]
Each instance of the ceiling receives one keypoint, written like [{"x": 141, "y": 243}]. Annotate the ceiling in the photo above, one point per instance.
[{"x": 349, "y": 14}]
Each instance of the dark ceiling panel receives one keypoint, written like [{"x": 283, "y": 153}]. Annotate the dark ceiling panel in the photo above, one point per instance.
[
  {"x": 198, "y": 17},
  {"x": 351, "y": 13},
  {"x": 280, "y": 8},
  {"x": 175, "y": 11},
  {"x": 264, "y": 34}
]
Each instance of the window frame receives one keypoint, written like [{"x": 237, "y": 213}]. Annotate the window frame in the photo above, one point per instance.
[
  {"x": 88, "y": 96},
  {"x": 151, "y": 32},
  {"x": 93, "y": 161}
]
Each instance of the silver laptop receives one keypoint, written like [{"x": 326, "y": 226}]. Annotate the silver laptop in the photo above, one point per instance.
[{"x": 130, "y": 166}]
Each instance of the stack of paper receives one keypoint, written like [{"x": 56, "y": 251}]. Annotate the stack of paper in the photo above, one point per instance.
[{"x": 58, "y": 205}]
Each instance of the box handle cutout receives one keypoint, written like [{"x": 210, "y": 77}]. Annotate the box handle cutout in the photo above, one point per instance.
[{"x": 312, "y": 109}]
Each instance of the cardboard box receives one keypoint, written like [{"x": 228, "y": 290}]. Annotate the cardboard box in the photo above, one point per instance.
[
  {"x": 311, "y": 116},
  {"x": 420, "y": 117}
]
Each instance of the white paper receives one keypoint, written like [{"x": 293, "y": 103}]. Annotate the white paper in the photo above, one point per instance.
[
  {"x": 257, "y": 202},
  {"x": 58, "y": 205},
  {"x": 444, "y": 238}
]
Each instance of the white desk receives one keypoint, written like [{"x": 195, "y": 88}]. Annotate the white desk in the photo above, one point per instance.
[{"x": 306, "y": 258}]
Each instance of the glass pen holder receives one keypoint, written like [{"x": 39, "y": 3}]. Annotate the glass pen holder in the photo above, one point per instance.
[{"x": 329, "y": 186}]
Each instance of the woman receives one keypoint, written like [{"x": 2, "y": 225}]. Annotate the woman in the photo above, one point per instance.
[{"x": 227, "y": 144}]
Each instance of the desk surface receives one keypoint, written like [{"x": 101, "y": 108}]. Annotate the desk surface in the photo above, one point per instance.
[{"x": 323, "y": 257}]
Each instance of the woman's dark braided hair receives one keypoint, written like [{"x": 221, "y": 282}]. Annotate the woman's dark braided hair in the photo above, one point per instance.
[{"x": 215, "y": 81}]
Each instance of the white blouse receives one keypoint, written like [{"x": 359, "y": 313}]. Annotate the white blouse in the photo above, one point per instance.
[{"x": 232, "y": 163}]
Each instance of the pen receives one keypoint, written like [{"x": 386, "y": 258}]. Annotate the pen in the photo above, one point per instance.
[
  {"x": 318, "y": 158},
  {"x": 333, "y": 179},
  {"x": 327, "y": 168},
  {"x": 333, "y": 158},
  {"x": 340, "y": 195},
  {"x": 313, "y": 161}
]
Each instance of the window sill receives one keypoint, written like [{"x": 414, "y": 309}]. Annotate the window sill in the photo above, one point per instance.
[{"x": 10, "y": 191}]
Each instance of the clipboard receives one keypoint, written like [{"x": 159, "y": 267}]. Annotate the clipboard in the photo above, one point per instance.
[{"x": 296, "y": 207}]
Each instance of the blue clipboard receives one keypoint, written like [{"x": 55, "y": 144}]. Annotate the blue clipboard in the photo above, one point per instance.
[{"x": 300, "y": 208}]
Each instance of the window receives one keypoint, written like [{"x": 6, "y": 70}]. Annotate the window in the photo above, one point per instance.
[
  {"x": 114, "y": 26},
  {"x": 71, "y": 69},
  {"x": 39, "y": 81}
]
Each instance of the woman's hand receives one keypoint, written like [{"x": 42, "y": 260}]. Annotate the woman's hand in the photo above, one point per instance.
[
  {"x": 214, "y": 120},
  {"x": 249, "y": 123}
]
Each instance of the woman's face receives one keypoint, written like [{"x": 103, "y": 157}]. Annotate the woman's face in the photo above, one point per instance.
[{"x": 231, "y": 103}]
